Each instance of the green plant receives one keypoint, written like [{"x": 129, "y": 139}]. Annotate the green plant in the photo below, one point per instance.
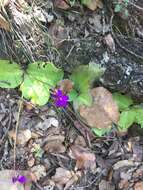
[
  {"x": 11, "y": 75},
  {"x": 35, "y": 83},
  {"x": 130, "y": 113},
  {"x": 122, "y": 6},
  {"x": 40, "y": 77},
  {"x": 83, "y": 77},
  {"x": 38, "y": 151}
]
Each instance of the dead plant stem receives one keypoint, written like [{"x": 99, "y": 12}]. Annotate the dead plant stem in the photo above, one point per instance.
[{"x": 16, "y": 131}]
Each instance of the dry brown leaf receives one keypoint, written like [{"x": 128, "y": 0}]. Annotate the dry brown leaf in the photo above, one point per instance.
[
  {"x": 138, "y": 186},
  {"x": 66, "y": 85},
  {"x": 58, "y": 34},
  {"x": 80, "y": 141},
  {"x": 54, "y": 144},
  {"x": 23, "y": 136},
  {"x": 94, "y": 4},
  {"x": 104, "y": 110},
  {"x": 84, "y": 158},
  {"x": 4, "y": 23},
  {"x": 6, "y": 180},
  {"x": 65, "y": 177},
  {"x": 61, "y": 4}
]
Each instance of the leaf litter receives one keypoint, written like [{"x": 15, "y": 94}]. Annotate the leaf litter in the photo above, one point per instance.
[{"x": 87, "y": 166}]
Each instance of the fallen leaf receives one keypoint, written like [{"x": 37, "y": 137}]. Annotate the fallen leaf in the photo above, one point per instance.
[
  {"x": 92, "y": 4},
  {"x": 6, "y": 180},
  {"x": 103, "y": 112},
  {"x": 58, "y": 34},
  {"x": 80, "y": 141},
  {"x": 110, "y": 42},
  {"x": 65, "y": 177},
  {"x": 138, "y": 186},
  {"x": 123, "y": 163},
  {"x": 61, "y": 4},
  {"x": 4, "y": 3},
  {"x": 23, "y": 136},
  {"x": 84, "y": 158},
  {"x": 65, "y": 85},
  {"x": 4, "y": 23},
  {"x": 38, "y": 171},
  {"x": 54, "y": 144}
]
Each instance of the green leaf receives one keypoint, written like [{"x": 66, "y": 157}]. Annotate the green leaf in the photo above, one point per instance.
[
  {"x": 37, "y": 91},
  {"x": 84, "y": 99},
  {"x": 123, "y": 101},
  {"x": 139, "y": 116},
  {"x": 100, "y": 132},
  {"x": 45, "y": 72},
  {"x": 72, "y": 95},
  {"x": 85, "y": 2},
  {"x": 117, "y": 8},
  {"x": 40, "y": 77},
  {"x": 127, "y": 118},
  {"x": 83, "y": 76},
  {"x": 10, "y": 74}
]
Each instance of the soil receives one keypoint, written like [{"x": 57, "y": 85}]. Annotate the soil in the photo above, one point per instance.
[{"x": 77, "y": 36}]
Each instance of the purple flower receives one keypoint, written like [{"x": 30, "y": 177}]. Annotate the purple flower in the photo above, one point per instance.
[
  {"x": 21, "y": 179},
  {"x": 61, "y": 100}
]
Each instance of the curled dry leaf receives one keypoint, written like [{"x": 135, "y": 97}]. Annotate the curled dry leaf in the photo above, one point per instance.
[
  {"x": 54, "y": 144},
  {"x": 84, "y": 158},
  {"x": 6, "y": 180},
  {"x": 64, "y": 177},
  {"x": 104, "y": 110},
  {"x": 65, "y": 85}
]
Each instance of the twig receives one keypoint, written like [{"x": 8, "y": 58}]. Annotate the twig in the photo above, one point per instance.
[
  {"x": 16, "y": 130},
  {"x": 136, "y": 6}
]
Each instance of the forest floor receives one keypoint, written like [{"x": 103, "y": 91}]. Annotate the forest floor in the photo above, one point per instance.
[{"x": 53, "y": 147}]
